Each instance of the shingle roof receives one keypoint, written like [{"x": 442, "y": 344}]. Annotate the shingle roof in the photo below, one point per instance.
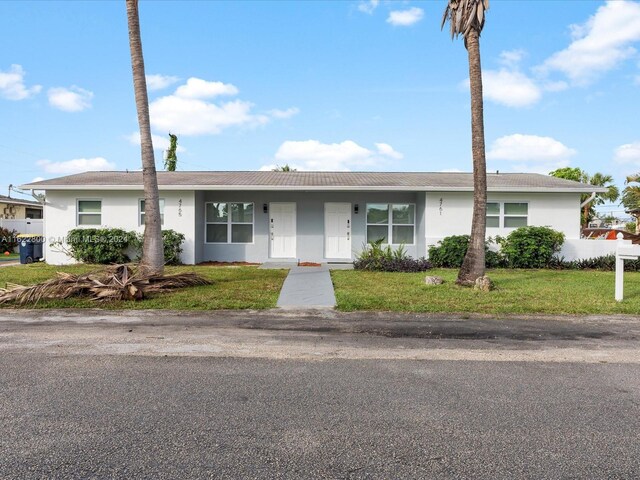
[
  {"x": 257, "y": 180},
  {"x": 19, "y": 201}
]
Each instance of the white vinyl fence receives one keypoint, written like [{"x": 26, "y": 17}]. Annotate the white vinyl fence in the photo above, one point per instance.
[{"x": 33, "y": 226}]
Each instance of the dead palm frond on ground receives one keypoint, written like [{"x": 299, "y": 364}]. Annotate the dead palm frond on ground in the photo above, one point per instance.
[{"x": 114, "y": 283}]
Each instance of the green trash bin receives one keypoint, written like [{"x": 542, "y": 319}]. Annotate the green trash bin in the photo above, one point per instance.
[{"x": 30, "y": 247}]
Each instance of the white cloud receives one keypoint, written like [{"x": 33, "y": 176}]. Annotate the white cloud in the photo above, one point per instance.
[
  {"x": 405, "y": 18},
  {"x": 282, "y": 114},
  {"x": 600, "y": 44},
  {"x": 198, "y": 88},
  {"x": 530, "y": 153},
  {"x": 518, "y": 147},
  {"x": 159, "y": 142},
  {"x": 368, "y": 6},
  {"x": 159, "y": 82},
  {"x": 344, "y": 156},
  {"x": 76, "y": 165},
  {"x": 628, "y": 154},
  {"x": 512, "y": 58},
  {"x": 12, "y": 86},
  {"x": 510, "y": 88},
  {"x": 189, "y": 110},
  {"x": 37, "y": 179},
  {"x": 73, "y": 99}
]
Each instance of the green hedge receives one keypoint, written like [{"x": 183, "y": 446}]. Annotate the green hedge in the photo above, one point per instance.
[{"x": 110, "y": 245}]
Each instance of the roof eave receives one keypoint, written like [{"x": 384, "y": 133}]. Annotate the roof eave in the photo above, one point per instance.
[{"x": 307, "y": 188}]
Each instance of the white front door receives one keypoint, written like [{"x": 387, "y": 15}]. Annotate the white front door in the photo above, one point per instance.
[
  {"x": 282, "y": 230},
  {"x": 337, "y": 230}
]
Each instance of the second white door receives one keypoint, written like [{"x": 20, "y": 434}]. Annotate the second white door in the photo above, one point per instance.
[
  {"x": 282, "y": 230},
  {"x": 337, "y": 230}
]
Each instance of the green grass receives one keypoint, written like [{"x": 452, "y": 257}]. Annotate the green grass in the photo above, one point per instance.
[
  {"x": 518, "y": 292},
  {"x": 10, "y": 257},
  {"x": 232, "y": 288}
]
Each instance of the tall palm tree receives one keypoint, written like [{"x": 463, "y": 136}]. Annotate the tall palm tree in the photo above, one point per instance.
[
  {"x": 466, "y": 18},
  {"x": 631, "y": 199},
  {"x": 152, "y": 249}
]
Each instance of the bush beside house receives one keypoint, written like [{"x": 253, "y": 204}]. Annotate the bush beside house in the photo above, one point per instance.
[{"x": 112, "y": 245}]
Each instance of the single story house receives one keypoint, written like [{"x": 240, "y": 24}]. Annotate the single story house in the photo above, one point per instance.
[
  {"x": 307, "y": 216},
  {"x": 19, "y": 209}
]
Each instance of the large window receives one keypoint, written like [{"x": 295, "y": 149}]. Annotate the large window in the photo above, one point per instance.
[
  {"x": 391, "y": 221},
  {"x": 89, "y": 212},
  {"x": 141, "y": 212},
  {"x": 33, "y": 213},
  {"x": 229, "y": 222},
  {"x": 507, "y": 214}
]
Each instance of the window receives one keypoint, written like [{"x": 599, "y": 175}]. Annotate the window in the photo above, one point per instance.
[
  {"x": 515, "y": 215},
  {"x": 229, "y": 222},
  {"x": 89, "y": 212},
  {"x": 493, "y": 215},
  {"x": 141, "y": 210},
  {"x": 33, "y": 213},
  {"x": 391, "y": 221},
  {"x": 507, "y": 214}
]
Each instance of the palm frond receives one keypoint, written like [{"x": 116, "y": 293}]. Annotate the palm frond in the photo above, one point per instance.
[{"x": 119, "y": 282}]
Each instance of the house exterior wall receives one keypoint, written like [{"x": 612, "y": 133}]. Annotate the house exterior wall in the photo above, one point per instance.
[
  {"x": 309, "y": 223},
  {"x": 450, "y": 213},
  {"x": 119, "y": 210},
  {"x": 20, "y": 211}
]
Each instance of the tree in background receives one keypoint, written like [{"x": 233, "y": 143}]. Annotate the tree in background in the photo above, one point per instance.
[
  {"x": 152, "y": 260},
  {"x": 598, "y": 179},
  {"x": 171, "y": 161},
  {"x": 466, "y": 18},
  {"x": 631, "y": 199},
  {"x": 285, "y": 168}
]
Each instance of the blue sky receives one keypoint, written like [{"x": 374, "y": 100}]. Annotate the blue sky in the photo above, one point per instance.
[{"x": 335, "y": 85}]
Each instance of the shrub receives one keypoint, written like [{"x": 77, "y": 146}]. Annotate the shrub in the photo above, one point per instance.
[
  {"x": 8, "y": 240},
  {"x": 530, "y": 247},
  {"x": 100, "y": 245},
  {"x": 375, "y": 257},
  {"x": 605, "y": 263},
  {"x": 172, "y": 242},
  {"x": 450, "y": 252}
]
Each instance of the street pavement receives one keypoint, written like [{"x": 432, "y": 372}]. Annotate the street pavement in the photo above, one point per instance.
[{"x": 94, "y": 394}]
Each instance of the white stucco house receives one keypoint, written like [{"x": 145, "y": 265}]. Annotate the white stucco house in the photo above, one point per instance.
[{"x": 310, "y": 216}]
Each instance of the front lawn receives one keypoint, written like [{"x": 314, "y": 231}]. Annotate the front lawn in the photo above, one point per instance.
[
  {"x": 231, "y": 288},
  {"x": 12, "y": 257},
  {"x": 518, "y": 292}
]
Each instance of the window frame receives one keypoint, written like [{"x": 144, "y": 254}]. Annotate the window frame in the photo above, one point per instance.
[
  {"x": 502, "y": 215},
  {"x": 141, "y": 213},
  {"x": 229, "y": 223},
  {"x": 78, "y": 213},
  {"x": 390, "y": 223}
]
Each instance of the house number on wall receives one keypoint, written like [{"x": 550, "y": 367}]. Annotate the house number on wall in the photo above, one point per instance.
[
  {"x": 180, "y": 207},
  {"x": 440, "y": 209}
]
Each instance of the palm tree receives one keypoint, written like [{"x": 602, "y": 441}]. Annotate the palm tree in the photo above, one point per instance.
[
  {"x": 597, "y": 180},
  {"x": 631, "y": 199},
  {"x": 466, "y": 18},
  {"x": 285, "y": 168},
  {"x": 152, "y": 249}
]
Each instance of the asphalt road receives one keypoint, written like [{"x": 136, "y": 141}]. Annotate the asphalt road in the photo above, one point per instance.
[{"x": 317, "y": 396}]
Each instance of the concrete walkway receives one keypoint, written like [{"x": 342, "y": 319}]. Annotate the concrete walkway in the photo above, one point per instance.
[{"x": 307, "y": 287}]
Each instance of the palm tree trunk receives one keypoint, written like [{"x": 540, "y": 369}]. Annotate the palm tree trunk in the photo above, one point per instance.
[
  {"x": 152, "y": 249},
  {"x": 473, "y": 265}
]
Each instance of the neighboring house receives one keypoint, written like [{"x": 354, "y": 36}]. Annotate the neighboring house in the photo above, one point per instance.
[
  {"x": 307, "y": 216},
  {"x": 19, "y": 209}
]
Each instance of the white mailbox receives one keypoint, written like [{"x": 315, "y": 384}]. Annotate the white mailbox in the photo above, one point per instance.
[{"x": 625, "y": 250}]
